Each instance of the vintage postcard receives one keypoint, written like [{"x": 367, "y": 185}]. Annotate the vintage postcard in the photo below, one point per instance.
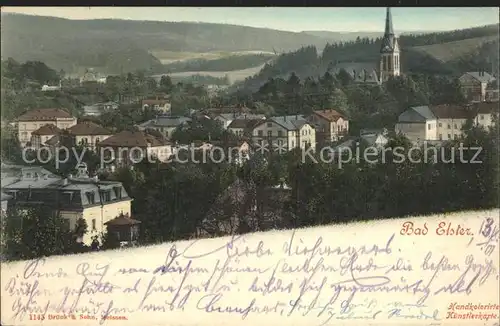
[{"x": 250, "y": 166}]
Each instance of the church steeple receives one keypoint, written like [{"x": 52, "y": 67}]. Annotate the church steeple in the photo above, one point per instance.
[
  {"x": 388, "y": 23},
  {"x": 389, "y": 51}
]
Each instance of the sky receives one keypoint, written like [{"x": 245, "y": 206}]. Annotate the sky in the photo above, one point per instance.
[{"x": 288, "y": 18}]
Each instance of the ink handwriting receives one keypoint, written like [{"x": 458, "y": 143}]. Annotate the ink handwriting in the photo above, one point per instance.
[{"x": 244, "y": 276}]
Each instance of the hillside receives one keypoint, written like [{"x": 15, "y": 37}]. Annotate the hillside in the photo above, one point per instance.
[
  {"x": 435, "y": 53},
  {"x": 449, "y": 51},
  {"x": 75, "y": 44},
  {"x": 351, "y": 36},
  {"x": 115, "y": 46}
]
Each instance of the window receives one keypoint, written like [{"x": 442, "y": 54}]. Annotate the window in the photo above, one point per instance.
[
  {"x": 118, "y": 192},
  {"x": 280, "y": 133},
  {"x": 97, "y": 140},
  {"x": 90, "y": 197},
  {"x": 440, "y": 124},
  {"x": 94, "y": 224},
  {"x": 106, "y": 196},
  {"x": 440, "y": 137},
  {"x": 456, "y": 126},
  {"x": 481, "y": 117},
  {"x": 429, "y": 126},
  {"x": 260, "y": 133},
  {"x": 269, "y": 133},
  {"x": 455, "y": 137},
  {"x": 280, "y": 143},
  {"x": 449, "y": 136},
  {"x": 449, "y": 126},
  {"x": 269, "y": 124},
  {"x": 293, "y": 143},
  {"x": 166, "y": 133}
]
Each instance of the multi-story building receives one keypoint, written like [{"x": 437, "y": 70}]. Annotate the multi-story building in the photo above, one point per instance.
[
  {"x": 485, "y": 113},
  {"x": 88, "y": 134},
  {"x": 475, "y": 84},
  {"x": 35, "y": 119},
  {"x": 40, "y": 136},
  {"x": 435, "y": 122},
  {"x": 243, "y": 127},
  {"x": 225, "y": 119},
  {"x": 157, "y": 103},
  {"x": 130, "y": 146},
  {"x": 330, "y": 125},
  {"x": 72, "y": 198},
  {"x": 166, "y": 125},
  {"x": 284, "y": 133}
]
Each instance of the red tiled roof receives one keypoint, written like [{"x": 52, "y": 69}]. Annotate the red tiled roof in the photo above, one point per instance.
[
  {"x": 329, "y": 114},
  {"x": 88, "y": 128},
  {"x": 47, "y": 130},
  {"x": 128, "y": 138},
  {"x": 450, "y": 111},
  {"x": 44, "y": 115}
]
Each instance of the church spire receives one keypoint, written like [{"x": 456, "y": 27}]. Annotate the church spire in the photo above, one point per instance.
[{"x": 388, "y": 23}]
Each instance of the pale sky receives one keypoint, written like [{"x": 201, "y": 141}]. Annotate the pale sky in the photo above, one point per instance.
[{"x": 290, "y": 19}]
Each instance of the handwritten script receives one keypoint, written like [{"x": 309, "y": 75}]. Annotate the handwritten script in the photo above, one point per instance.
[{"x": 359, "y": 273}]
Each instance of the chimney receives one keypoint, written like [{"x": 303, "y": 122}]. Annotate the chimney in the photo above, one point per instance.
[
  {"x": 65, "y": 181},
  {"x": 95, "y": 178},
  {"x": 70, "y": 176}
]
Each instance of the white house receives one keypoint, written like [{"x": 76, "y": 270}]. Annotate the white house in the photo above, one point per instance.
[
  {"x": 284, "y": 133},
  {"x": 35, "y": 119},
  {"x": 485, "y": 112},
  {"x": 435, "y": 122}
]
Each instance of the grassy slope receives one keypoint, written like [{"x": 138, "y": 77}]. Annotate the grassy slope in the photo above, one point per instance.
[{"x": 446, "y": 52}]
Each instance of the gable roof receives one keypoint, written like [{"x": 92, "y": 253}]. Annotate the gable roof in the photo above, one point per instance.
[
  {"x": 290, "y": 122},
  {"x": 329, "y": 114},
  {"x": 44, "y": 115},
  {"x": 481, "y": 76},
  {"x": 244, "y": 123},
  {"x": 88, "y": 128},
  {"x": 447, "y": 111},
  {"x": 165, "y": 121},
  {"x": 47, "y": 130},
  {"x": 129, "y": 138},
  {"x": 53, "y": 141},
  {"x": 486, "y": 107}
]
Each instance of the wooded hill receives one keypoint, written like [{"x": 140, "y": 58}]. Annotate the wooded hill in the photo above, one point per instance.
[{"x": 443, "y": 53}]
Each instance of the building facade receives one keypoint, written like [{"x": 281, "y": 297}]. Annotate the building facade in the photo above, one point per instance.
[
  {"x": 330, "y": 125},
  {"x": 35, "y": 119},
  {"x": 284, "y": 133},
  {"x": 73, "y": 198}
]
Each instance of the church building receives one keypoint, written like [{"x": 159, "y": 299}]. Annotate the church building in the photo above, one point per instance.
[{"x": 388, "y": 66}]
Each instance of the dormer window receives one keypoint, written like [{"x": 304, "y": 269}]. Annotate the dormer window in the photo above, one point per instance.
[
  {"x": 118, "y": 192},
  {"x": 90, "y": 197}
]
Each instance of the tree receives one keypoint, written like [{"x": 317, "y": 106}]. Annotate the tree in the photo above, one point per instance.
[{"x": 35, "y": 233}]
